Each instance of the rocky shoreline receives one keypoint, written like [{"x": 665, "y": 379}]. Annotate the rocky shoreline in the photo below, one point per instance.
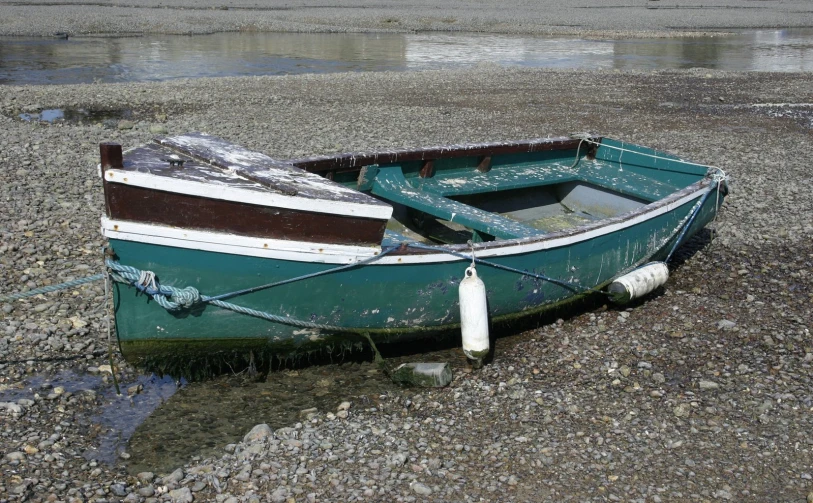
[
  {"x": 584, "y": 18},
  {"x": 703, "y": 392}
]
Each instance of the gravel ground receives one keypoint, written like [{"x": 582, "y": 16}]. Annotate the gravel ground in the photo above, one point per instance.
[
  {"x": 639, "y": 18},
  {"x": 703, "y": 392}
]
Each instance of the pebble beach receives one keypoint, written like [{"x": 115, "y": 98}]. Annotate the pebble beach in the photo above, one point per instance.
[{"x": 701, "y": 392}]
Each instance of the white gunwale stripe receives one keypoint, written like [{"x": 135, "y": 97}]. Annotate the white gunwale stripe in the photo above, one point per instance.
[
  {"x": 343, "y": 254},
  {"x": 299, "y": 251},
  {"x": 269, "y": 199}
]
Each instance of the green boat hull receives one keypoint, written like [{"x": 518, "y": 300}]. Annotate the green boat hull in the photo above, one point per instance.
[{"x": 391, "y": 303}]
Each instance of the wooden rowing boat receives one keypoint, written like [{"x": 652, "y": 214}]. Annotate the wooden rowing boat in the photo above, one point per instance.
[{"x": 219, "y": 250}]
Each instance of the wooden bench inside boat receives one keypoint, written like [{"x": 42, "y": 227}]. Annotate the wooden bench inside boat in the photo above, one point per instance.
[
  {"x": 391, "y": 184},
  {"x": 537, "y": 174}
]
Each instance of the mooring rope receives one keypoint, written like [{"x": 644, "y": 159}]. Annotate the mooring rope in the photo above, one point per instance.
[
  {"x": 719, "y": 177},
  {"x": 51, "y": 288},
  {"x": 185, "y": 298},
  {"x": 176, "y": 299},
  {"x": 571, "y": 286}
]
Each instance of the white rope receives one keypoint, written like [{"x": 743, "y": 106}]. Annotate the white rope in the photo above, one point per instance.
[
  {"x": 719, "y": 176},
  {"x": 147, "y": 280},
  {"x": 576, "y": 161}
]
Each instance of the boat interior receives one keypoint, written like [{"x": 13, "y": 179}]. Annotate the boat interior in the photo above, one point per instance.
[{"x": 480, "y": 197}]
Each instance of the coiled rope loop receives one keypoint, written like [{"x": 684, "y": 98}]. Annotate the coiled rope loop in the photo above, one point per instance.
[
  {"x": 168, "y": 297},
  {"x": 177, "y": 299}
]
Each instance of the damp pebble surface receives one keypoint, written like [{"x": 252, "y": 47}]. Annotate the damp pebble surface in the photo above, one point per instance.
[{"x": 701, "y": 392}]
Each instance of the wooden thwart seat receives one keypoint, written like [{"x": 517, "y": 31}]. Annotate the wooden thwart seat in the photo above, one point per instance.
[
  {"x": 527, "y": 175},
  {"x": 391, "y": 184}
]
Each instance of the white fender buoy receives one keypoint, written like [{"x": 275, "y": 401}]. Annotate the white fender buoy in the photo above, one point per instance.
[
  {"x": 474, "y": 317},
  {"x": 639, "y": 282}
]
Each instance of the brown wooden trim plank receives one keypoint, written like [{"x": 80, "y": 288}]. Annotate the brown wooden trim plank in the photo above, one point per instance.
[
  {"x": 137, "y": 204},
  {"x": 358, "y": 159}
]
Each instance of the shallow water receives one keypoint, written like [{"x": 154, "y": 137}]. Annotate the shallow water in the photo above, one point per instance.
[
  {"x": 116, "y": 418},
  {"x": 202, "y": 418},
  {"x": 163, "y": 57}
]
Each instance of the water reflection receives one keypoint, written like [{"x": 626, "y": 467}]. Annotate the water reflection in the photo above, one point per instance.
[
  {"x": 162, "y": 57},
  {"x": 761, "y": 51}
]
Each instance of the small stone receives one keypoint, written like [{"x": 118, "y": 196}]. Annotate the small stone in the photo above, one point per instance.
[
  {"x": 145, "y": 476},
  {"x": 722, "y": 494},
  {"x": 421, "y": 489},
  {"x": 343, "y": 406},
  {"x": 428, "y": 375},
  {"x": 175, "y": 476},
  {"x": 308, "y": 413},
  {"x": 705, "y": 384},
  {"x": 682, "y": 410},
  {"x": 624, "y": 371},
  {"x": 146, "y": 491},
  {"x": 810, "y": 497},
  {"x": 30, "y": 449},
  {"x": 13, "y": 408},
  {"x": 119, "y": 490},
  {"x": 125, "y": 124},
  {"x": 15, "y": 456},
  {"x": 279, "y": 495},
  {"x": 342, "y": 414},
  {"x": 182, "y": 495},
  {"x": 259, "y": 432},
  {"x": 517, "y": 394},
  {"x": 726, "y": 324},
  {"x": 77, "y": 322},
  {"x": 22, "y": 488},
  {"x": 158, "y": 129}
]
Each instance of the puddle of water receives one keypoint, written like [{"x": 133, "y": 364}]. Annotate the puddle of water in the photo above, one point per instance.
[
  {"x": 163, "y": 57},
  {"x": 76, "y": 116},
  {"x": 204, "y": 417},
  {"x": 165, "y": 426},
  {"x": 113, "y": 423},
  {"x": 121, "y": 415}
]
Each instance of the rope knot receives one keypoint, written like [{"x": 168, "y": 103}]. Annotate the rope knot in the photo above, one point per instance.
[
  {"x": 187, "y": 297},
  {"x": 176, "y": 299}
]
